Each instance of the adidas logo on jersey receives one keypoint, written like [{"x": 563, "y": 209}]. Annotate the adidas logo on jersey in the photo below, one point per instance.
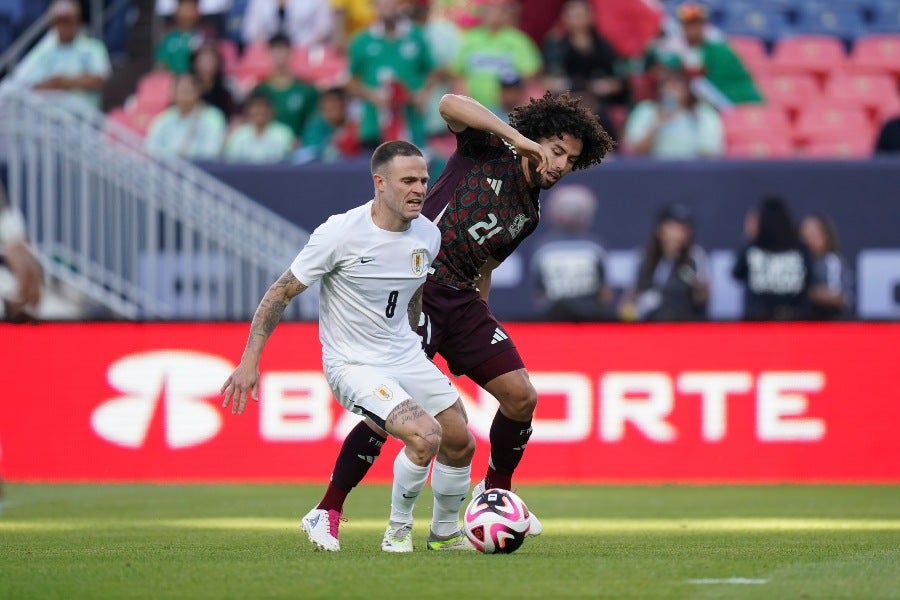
[
  {"x": 499, "y": 336},
  {"x": 495, "y": 184}
]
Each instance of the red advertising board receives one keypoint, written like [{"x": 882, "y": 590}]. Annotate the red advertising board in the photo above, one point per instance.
[{"x": 618, "y": 403}]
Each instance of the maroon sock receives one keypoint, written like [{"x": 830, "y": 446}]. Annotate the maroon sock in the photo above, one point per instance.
[
  {"x": 508, "y": 440},
  {"x": 358, "y": 453}
]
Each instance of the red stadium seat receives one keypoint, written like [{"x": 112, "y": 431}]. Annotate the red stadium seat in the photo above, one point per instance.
[
  {"x": 255, "y": 64},
  {"x": 752, "y": 52},
  {"x": 154, "y": 91},
  {"x": 791, "y": 92},
  {"x": 876, "y": 54},
  {"x": 849, "y": 148},
  {"x": 755, "y": 122},
  {"x": 776, "y": 147},
  {"x": 829, "y": 122},
  {"x": 871, "y": 92},
  {"x": 322, "y": 65},
  {"x": 814, "y": 54}
]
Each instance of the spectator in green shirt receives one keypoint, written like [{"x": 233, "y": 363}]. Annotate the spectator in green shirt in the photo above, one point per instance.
[
  {"x": 174, "y": 51},
  {"x": 493, "y": 50},
  {"x": 393, "y": 72},
  {"x": 190, "y": 129},
  {"x": 293, "y": 100},
  {"x": 260, "y": 140},
  {"x": 332, "y": 134}
]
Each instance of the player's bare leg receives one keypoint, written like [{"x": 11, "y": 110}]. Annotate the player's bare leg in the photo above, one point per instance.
[
  {"x": 450, "y": 480},
  {"x": 421, "y": 435}
]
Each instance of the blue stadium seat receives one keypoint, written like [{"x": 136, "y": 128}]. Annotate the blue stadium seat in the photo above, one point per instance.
[
  {"x": 7, "y": 35},
  {"x": 14, "y": 10},
  {"x": 845, "y": 22},
  {"x": 885, "y": 17},
  {"x": 757, "y": 21}
]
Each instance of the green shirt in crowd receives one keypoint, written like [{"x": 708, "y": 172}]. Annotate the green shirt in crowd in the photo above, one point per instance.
[
  {"x": 293, "y": 105},
  {"x": 721, "y": 66},
  {"x": 247, "y": 145},
  {"x": 487, "y": 55},
  {"x": 376, "y": 60},
  {"x": 196, "y": 136},
  {"x": 174, "y": 50}
]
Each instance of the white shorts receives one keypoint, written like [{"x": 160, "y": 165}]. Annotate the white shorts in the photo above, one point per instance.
[{"x": 374, "y": 391}]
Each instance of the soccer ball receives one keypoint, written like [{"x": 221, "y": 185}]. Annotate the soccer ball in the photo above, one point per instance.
[{"x": 496, "y": 521}]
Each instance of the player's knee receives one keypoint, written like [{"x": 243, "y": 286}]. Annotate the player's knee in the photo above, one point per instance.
[
  {"x": 521, "y": 403},
  {"x": 460, "y": 451},
  {"x": 424, "y": 445}
]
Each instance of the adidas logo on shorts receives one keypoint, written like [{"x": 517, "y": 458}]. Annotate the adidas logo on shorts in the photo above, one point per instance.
[{"x": 499, "y": 336}]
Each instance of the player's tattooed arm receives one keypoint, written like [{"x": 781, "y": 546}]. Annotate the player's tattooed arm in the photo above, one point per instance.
[
  {"x": 414, "y": 310},
  {"x": 243, "y": 383},
  {"x": 269, "y": 311}
]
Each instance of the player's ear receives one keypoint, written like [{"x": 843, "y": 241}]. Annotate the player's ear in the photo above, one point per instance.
[{"x": 379, "y": 181}]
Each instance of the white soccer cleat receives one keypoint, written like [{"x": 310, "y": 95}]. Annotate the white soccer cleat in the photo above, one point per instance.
[
  {"x": 457, "y": 541},
  {"x": 322, "y": 527},
  {"x": 398, "y": 538},
  {"x": 534, "y": 528}
]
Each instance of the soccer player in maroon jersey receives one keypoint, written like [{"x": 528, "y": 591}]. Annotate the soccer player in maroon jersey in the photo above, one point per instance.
[{"x": 485, "y": 203}]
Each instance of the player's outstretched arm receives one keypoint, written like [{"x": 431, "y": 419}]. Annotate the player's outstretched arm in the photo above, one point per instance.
[
  {"x": 461, "y": 112},
  {"x": 244, "y": 381}
]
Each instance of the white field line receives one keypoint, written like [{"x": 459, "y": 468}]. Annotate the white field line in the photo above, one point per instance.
[
  {"x": 559, "y": 526},
  {"x": 729, "y": 581}
]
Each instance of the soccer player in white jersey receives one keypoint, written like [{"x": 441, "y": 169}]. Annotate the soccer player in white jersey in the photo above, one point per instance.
[{"x": 372, "y": 262}]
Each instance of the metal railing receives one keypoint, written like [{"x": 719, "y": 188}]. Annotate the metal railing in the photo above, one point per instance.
[{"x": 148, "y": 238}]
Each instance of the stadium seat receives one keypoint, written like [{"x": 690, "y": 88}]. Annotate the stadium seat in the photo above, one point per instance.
[
  {"x": 828, "y": 122},
  {"x": 885, "y": 17},
  {"x": 790, "y": 92},
  {"x": 755, "y": 21},
  {"x": 849, "y": 148},
  {"x": 844, "y": 22},
  {"x": 255, "y": 63},
  {"x": 812, "y": 54},
  {"x": 871, "y": 92},
  {"x": 775, "y": 147},
  {"x": 154, "y": 91},
  {"x": 876, "y": 54},
  {"x": 755, "y": 122},
  {"x": 322, "y": 65},
  {"x": 229, "y": 51},
  {"x": 752, "y": 52}
]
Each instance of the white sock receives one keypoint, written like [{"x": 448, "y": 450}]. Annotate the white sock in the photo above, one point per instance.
[
  {"x": 409, "y": 479},
  {"x": 451, "y": 487}
]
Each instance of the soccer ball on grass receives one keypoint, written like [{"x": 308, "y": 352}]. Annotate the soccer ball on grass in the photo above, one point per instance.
[{"x": 496, "y": 521}]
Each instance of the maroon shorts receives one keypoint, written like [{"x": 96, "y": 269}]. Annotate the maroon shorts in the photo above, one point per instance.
[{"x": 460, "y": 327}]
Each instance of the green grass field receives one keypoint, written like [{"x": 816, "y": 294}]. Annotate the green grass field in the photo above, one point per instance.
[{"x": 102, "y": 541}]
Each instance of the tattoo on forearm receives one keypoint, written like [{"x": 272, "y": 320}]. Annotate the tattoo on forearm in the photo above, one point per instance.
[{"x": 272, "y": 306}]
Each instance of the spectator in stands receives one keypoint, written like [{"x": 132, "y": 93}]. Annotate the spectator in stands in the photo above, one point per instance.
[
  {"x": 675, "y": 125},
  {"x": 889, "y": 137},
  {"x": 493, "y": 49},
  {"x": 332, "y": 134},
  {"x": 579, "y": 59},
  {"x": 213, "y": 14},
  {"x": 67, "y": 60},
  {"x": 512, "y": 94},
  {"x": 305, "y": 22},
  {"x": 190, "y": 129},
  {"x": 207, "y": 66},
  {"x": 175, "y": 49},
  {"x": 673, "y": 278},
  {"x": 775, "y": 267},
  {"x": 830, "y": 281},
  {"x": 444, "y": 39},
  {"x": 16, "y": 256},
  {"x": 716, "y": 71},
  {"x": 350, "y": 18},
  {"x": 261, "y": 139},
  {"x": 294, "y": 100},
  {"x": 393, "y": 72},
  {"x": 568, "y": 266}
]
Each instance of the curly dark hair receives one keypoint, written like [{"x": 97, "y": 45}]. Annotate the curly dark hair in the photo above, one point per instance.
[{"x": 553, "y": 116}]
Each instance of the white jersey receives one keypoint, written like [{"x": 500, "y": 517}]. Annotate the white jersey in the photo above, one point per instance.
[{"x": 368, "y": 277}]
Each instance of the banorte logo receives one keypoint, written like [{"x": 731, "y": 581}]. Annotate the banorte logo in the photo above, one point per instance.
[{"x": 172, "y": 386}]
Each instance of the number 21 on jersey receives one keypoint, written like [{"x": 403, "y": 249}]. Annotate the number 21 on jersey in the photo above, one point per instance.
[{"x": 485, "y": 230}]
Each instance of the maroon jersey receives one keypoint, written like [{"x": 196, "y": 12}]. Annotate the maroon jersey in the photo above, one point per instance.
[{"x": 483, "y": 206}]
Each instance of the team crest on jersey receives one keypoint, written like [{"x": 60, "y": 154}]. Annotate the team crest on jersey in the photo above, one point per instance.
[
  {"x": 419, "y": 264},
  {"x": 518, "y": 224},
  {"x": 383, "y": 392}
]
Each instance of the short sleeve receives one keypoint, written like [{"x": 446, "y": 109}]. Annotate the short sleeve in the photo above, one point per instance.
[
  {"x": 639, "y": 123},
  {"x": 98, "y": 60},
  {"x": 320, "y": 255}
]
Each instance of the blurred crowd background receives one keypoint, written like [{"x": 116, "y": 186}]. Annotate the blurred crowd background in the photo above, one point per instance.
[{"x": 301, "y": 82}]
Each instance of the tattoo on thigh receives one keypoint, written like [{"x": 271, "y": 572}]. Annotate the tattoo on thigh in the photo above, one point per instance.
[
  {"x": 433, "y": 439},
  {"x": 405, "y": 412}
]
